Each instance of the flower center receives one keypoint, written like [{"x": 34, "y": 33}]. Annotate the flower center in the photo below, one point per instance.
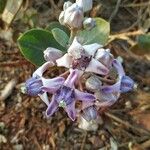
[
  {"x": 64, "y": 96},
  {"x": 81, "y": 63},
  {"x": 62, "y": 104}
]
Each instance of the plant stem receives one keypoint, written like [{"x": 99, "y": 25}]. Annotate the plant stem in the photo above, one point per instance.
[{"x": 72, "y": 35}]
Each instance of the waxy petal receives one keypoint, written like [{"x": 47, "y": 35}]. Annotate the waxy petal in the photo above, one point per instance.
[
  {"x": 84, "y": 96},
  {"x": 51, "y": 85},
  {"x": 70, "y": 109},
  {"x": 75, "y": 50},
  {"x": 119, "y": 68},
  {"x": 111, "y": 88},
  {"x": 39, "y": 72},
  {"x": 64, "y": 61},
  {"x": 85, "y": 4},
  {"x": 52, "y": 54},
  {"x": 97, "y": 67},
  {"x": 71, "y": 78},
  {"x": 106, "y": 99},
  {"x": 44, "y": 98},
  {"x": 127, "y": 84},
  {"x": 92, "y": 48},
  {"x": 52, "y": 107}
]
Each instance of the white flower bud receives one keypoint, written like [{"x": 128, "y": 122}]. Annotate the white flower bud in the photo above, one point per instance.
[
  {"x": 86, "y": 125},
  {"x": 61, "y": 17},
  {"x": 51, "y": 54},
  {"x": 73, "y": 16},
  {"x": 66, "y": 5},
  {"x": 76, "y": 50},
  {"x": 105, "y": 57},
  {"x": 93, "y": 83},
  {"x": 89, "y": 23},
  {"x": 85, "y": 4}
]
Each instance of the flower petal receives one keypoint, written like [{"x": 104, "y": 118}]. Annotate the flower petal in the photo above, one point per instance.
[
  {"x": 70, "y": 109},
  {"x": 127, "y": 84},
  {"x": 64, "y": 61},
  {"x": 51, "y": 85},
  {"x": 76, "y": 49},
  {"x": 44, "y": 98},
  {"x": 84, "y": 96},
  {"x": 106, "y": 99},
  {"x": 92, "y": 48},
  {"x": 86, "y": 104},
  {"x": 39, "y": 72},
  {"x": 119, "y": 68},
  {"x": 111, "y": 88},
  {"x": 52, "y": 107},
  {"x": 71, "y": 78},
  {"x": 52, "y": 54},
  {"x": 96, "y": 67}
]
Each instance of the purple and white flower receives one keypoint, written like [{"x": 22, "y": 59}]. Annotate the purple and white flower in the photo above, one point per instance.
[
  {"x": 66, "y": 97},
  {"x": 82, "y": 58},
  {"x": 109, "y": 94},
  {"x": 38, "y": 85}
]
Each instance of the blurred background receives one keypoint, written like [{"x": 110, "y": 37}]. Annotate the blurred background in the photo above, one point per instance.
[{"x": 126, "y": 125}]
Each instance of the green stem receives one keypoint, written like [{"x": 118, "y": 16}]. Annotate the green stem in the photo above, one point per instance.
[{"x": 72, "y": 35}]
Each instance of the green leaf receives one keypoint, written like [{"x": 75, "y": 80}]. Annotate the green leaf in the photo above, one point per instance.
[
  {"x": 144, "y": 41},
  {"x": 99, "y": 34},
  {"x": 2, "y": 5},
  {"x": 60, "y": 36},
  {"x": 34, "y": 42},
  {"x": 56, "y": 24}
]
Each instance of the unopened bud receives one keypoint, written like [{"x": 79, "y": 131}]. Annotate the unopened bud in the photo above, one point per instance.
[
  {"x": 127, "y": 84},
  {"x": 33, "y": 86},
  {"x": 61, "y": 17},
  {"x": 66, "y": 5},
  {"x": 89, "y": 113},
  {"x": 51, "y": 54},
  {"x": 86, "y": 125},
  {"x": 89, "y": 23},
  {"x": 85, "y": 4},
  {"x": 93, "y": 83},
  {"x": 105, "y": 57},
  {"x": 73, "y": 16}
]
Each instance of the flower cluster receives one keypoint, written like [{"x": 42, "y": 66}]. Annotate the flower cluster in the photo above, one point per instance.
[{"x": 95, "y": 78}]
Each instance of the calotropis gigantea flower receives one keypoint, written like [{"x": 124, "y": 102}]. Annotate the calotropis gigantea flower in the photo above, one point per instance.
[
  {"x": 38, "y": 85},
  {"x": 81, "y": 57},
  {"x": 67, "y": 95},
  {"x": 109, "y": 94},
  {"x": 51, "y": 54},
  {"x": 85, "y": 4},
  {"x": 72, "y": 16}
]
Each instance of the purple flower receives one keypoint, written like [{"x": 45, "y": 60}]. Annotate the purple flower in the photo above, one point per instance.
[
  {"x": 127, "y": 84},
  {"x": 109, "y": 94},
  {"x": 38, "y": 85},
  {"x": 82, "y": 58},
  {"x": 124, "y": 83},
  {"x": 67, "y": 95}
]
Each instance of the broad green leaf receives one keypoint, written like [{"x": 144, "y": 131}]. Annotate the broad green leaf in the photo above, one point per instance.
[
  {"x": 60, "y": 36},
  {"x": 56, "y": 24},
  {"x": 34, "y": 42},
  {"x": 144, "y": 41},
  {"x": 2, "y": 5},
  {"x": 99, "y": 34}
]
